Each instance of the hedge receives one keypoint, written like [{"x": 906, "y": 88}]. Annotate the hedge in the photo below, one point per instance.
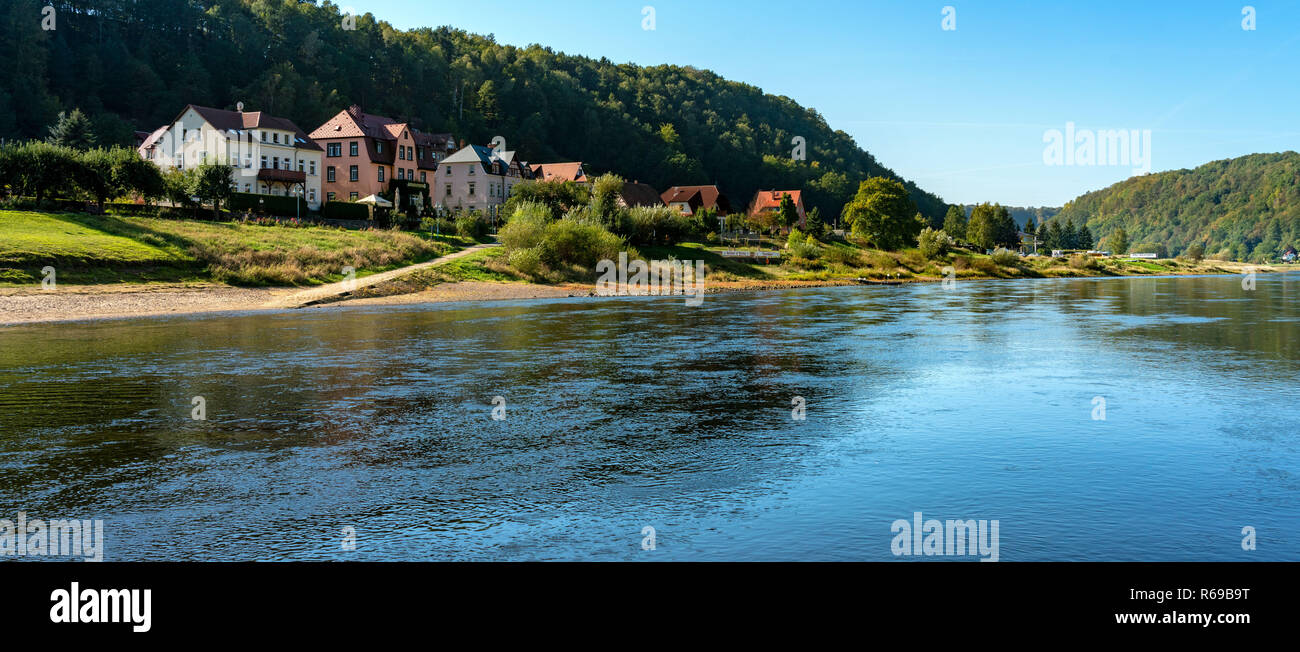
[
  {"x": 341, "y": 210},
  {"x": 271, "y": 204}
]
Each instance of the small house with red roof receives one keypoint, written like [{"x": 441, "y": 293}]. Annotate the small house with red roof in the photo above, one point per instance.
[
  {"x": 769, "y": 201},
  {"x": 689, "y": 200}
]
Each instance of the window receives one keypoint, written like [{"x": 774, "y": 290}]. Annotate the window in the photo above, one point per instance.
[
  {"x": 264, "y": 136},
  {"x": 401, "y": 152},
  {"x": 302, "y": 166},
  {"x": 354, "y": 173},
  {"x": 422, "y": 178},
  {"x": 263, "y": 162},
  {"x": 471, "y": 189},
  {"x": 471, "y": 170},
  {"x": 448, "y": 193},
  {"x": 329, "y": 174},
  {"x": 401, "y": 174},
  {"x": 311, "y": 195},
  {"x": 248, "y": 187},
  {"x": 352, "y": 148},
  {"x": 312, "y": 168},
  {"x": 329, "y": 196},
  {"x": 275, "y": 137},
  {"x": 352, "y": 196},
  {"x": 379, "y": 146},
  {"x": 381, "y": 174},
  {"x": 275, "y": 162},
  {"x": 336, "y": 149}
]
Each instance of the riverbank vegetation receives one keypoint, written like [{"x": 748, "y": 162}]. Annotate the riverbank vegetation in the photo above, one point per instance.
[{"x": 87, "y": 249}]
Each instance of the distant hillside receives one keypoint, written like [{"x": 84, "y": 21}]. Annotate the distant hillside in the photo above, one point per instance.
[
  {"x": 134, "y": 65},
  {"x": 1246, "y": 208}
]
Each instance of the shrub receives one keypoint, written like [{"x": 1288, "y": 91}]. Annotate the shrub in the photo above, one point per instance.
[
  {"x": 341, "y": 210},
  {"x": 471, "y": 226},
  {"x": 933, "y": 243},
  {"x": 806, "y": 250},
  {"x": 271, "y": 204},
  {"x": 1084, "y": 261},
  {"x": 526, "y": 261},
  {"x": 1006, "y": 257},
  {"x": 567, "y": 242},
  {"x": 526, "y": 228},
  {"x": 795, "y": 238},
  {"x": 843, "y": 256}
]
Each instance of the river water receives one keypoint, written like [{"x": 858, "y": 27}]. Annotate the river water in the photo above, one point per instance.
[{"x": 1094, "y": 419}]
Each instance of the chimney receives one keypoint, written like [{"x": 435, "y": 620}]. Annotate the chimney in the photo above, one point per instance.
[{"x": 355, "y": 111}]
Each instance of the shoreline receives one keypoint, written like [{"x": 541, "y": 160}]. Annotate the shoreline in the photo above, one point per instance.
[{"x": 21, "y": 306}]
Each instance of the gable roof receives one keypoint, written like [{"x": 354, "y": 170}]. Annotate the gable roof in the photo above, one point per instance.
[
  {"x": 640, "y": 194},
  {"x": 244, "y": 120},
  {"x": 696, "y": 197},
  {"x": 560, "y": 172},
  {"x": 771, "y": 199},
  {"x": 488, "y": 158}
]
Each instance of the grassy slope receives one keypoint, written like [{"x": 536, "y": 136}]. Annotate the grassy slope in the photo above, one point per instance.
[
  {"x": 105, "y": 249},
  {"x": 839, "y": 261}
]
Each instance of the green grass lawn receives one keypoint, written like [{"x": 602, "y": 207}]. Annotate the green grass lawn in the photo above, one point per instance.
[{"x": 93, "y": 249}]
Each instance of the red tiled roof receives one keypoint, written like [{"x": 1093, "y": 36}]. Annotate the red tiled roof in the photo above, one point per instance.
[
  {"x": 696, "y": 197},
  {"x": 771, "y": 199},
  {"x": 559, "y": 172}
]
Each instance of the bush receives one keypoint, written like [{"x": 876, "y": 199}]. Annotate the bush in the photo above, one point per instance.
[
  {"x": 526, "y": 227},
  {"x": 471, "y": 226},
  {"x": 1006, "y": 257},
  {"x": 933, "y": 243},
  {"x": 1084, "y": 261},
  {"x": 568, "y": 242},
  {"x": 271, "y": 204},
  {"x": 526, "y": 261},
  {"x": 440, "y": 225},
  {"x": 806, "y": 250},
  {"x": 795, "y": 238},
  {"x": 341, "y": 210}
]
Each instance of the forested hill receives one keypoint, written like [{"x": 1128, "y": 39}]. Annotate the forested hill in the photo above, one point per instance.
[
  {"x": 133, "y": 64},
  {"x": 1246, "y": 208}
]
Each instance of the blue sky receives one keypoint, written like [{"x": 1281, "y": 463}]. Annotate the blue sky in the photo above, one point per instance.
[{"x": 962, "y": 112}]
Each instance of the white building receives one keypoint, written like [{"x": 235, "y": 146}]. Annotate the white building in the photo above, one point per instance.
[
  {"x": 478, "y": 178},
  {"x": 271, "y": 155}
]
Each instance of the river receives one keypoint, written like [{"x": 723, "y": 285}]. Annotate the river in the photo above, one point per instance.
[{"x": 1094, "y": 419}]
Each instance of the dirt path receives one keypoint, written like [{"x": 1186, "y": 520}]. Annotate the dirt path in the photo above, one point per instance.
[{"x": 343, "y": 288}]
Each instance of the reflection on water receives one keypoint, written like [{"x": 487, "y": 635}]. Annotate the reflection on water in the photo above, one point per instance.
[{"x": 975, "y": 402}]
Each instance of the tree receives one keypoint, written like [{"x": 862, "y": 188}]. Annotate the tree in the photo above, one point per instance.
[
  {"x": 1043, "y": 234},
  {"x": 486, "y": 102},
  {"x": 108, "y": 173},
  {"x": 73, "y": 130},
  {"x": 214, "y": 184},
  {"x": 882, "y": 212},
  {"x": 1195, "y": 253},
  {"x": 787, "y": 214},
  {"x": 1029, "y": 224},
  {"x": 41, "y": 169},
  {"x": 1005, "y": 232},
  {"x": 1069, "y": 237},
  {"x": 816, "y": 228},
  {"x": 1083, "y": 239},
  {"x": 1119, "y": 241},
  {"x": 932, "y": 243},
  {"x": 954, "y": 224},
  {"x": 606, "y": 191},
  {"x": 1056, "y": 236}
]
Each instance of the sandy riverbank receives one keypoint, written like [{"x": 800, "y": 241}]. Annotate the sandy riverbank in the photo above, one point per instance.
[{"x": 82, "y": 303}]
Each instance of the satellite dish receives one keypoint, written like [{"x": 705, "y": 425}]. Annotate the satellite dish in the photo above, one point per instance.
[{"x": 239, "y": 107}]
